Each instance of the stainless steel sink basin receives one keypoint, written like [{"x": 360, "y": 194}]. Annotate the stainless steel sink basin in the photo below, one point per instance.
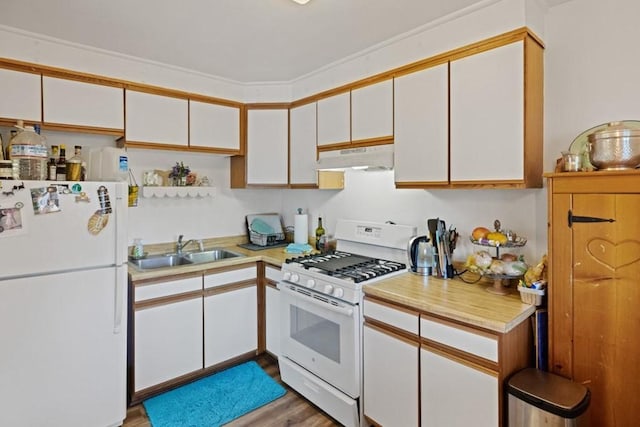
[
  {"x": 210, "y": 256},
  {"x": 174, "y": 260},
  {"x": 159, "y": 261}
]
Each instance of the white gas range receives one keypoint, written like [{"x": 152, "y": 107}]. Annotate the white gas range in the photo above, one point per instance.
[{"x": 321, "y": 299}]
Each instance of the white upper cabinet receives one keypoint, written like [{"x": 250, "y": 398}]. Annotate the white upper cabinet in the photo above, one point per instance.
[
  {"x": 156, "y": 119},
  {"x": 302, "y": 164},
  {"x": 421, "y": 114},
  {"x": 372, "y": 111},
  {"x": 487, "y": 115},
  {"x": 20, "y": 95},
  {"x": 84, "y": 104},
  {"x": 267, "y": 146},
  {"x": 334, "y": 119},
  {"x": 214, "y": 126}
]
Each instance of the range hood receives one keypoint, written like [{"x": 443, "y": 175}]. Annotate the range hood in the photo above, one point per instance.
[{"x": 369, "y": 158}]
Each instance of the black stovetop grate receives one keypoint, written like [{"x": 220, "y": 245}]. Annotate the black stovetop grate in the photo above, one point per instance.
[{"x": 344, "y": 264}]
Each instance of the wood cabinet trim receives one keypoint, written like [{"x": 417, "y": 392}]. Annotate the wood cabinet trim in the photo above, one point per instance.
[
  {"x": 602, "y": 181},
  {"x": 222, "y": 289},
  {"x": 65, "y": 127},
  {"x": 392, "y": 305},
  {"x": 462, "y": 326},
  {"x": 167, "y": 278},
  {"x": 386, "y": 140},
  {"x": 166, "y": 300},
  {"x": 461, "y": 357},
  {"x": 216, "y": 270},
  {"x": 66, "y": 74},
  {"x": 392, "y": 331}
]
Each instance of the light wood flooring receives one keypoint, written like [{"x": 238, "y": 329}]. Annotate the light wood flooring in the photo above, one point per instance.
[{"x": 289, "y": 410}]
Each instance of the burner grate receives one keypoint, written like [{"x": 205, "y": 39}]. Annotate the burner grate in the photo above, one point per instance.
[{"x": 346, "y": 265}]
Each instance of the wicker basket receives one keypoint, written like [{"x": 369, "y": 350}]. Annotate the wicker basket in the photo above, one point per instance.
[{"x": 531, "y": 296}]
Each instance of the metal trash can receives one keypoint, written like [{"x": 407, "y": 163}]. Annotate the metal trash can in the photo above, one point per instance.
[{"x": 538, "y": 398}]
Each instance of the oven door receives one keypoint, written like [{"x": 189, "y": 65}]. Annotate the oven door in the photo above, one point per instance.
[{"x": 321, "y": 335}]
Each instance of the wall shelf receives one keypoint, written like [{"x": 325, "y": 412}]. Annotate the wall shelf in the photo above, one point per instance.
[{"x": 188, "y": 191}]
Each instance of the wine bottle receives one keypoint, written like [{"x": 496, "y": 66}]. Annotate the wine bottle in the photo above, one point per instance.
[
  {"x": 52, "y": 166},
  {"x": 319, "y": 234},
  {"x": 61, "y": 166}
]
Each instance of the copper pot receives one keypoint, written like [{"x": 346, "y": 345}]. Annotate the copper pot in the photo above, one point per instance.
[{"x": 615, "y": 147}]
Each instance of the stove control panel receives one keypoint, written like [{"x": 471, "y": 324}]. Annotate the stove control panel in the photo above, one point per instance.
[{"x": 333, "y": 287}]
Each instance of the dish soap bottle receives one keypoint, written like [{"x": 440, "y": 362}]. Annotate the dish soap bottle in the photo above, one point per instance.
[
  {"x": 319, "y": 234},
  {"x": 137, "y": 251}
]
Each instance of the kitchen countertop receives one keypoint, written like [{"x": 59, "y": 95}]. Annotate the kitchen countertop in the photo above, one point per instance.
[
  {"x": 454, "y": 299},
  {"x": 275, "y": 256}
]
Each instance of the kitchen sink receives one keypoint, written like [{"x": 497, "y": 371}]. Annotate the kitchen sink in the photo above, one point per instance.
[
  {"x": 159, "y": 261},
  {"x": 174, "y": 260},
  {"x": 210, "y": 255}
]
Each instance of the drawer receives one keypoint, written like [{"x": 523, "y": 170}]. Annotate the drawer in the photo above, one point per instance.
[
  {"x": 230, "y": 276},
  {"x": 400, "y": 318},
  {"x": 273, "y": 274},
  {"x": 170, "y": 287},
  {"x": 474, "y": 343}
]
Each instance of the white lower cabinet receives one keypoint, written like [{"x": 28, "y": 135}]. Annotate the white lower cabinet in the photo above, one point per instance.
[
  {"x": 272, "y": 314},
  {"x": 168, "y": 335},
  {"x": 272, "y": 309},
  {"x": 230, "y": 315},
  {"x": 456, "y": 394},
  {"x": 390, "y": 364},
  {"x": 390, "y": 378}
]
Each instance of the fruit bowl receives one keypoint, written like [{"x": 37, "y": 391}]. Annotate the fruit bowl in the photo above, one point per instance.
[{"x": 517, "y": 242}]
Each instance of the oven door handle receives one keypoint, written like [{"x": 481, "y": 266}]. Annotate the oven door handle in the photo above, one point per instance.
[{"x": 345, "y": 311}]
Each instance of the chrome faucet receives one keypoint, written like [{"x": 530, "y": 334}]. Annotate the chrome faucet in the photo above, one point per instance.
[{"x": 180, "y": 245}]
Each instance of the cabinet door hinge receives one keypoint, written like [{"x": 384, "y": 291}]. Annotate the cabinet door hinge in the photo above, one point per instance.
[{"x": 576, "y": 218}]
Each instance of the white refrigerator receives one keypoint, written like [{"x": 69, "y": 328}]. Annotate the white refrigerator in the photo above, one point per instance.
[{"x": 63, "y": 299}]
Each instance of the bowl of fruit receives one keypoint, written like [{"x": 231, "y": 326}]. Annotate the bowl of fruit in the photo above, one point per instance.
[{"x": 498, "y": 237}]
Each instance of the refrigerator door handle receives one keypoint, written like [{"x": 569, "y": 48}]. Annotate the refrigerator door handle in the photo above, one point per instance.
[{"x": 118, "y": 307}]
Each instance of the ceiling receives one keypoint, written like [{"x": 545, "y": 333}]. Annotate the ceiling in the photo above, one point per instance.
[{"x": 239, "y": 40}]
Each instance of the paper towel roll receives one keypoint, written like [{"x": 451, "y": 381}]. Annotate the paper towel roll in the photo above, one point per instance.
[{"x": 301, "y": 229}]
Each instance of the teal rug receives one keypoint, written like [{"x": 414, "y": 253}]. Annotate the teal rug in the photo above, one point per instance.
[{"x": 214, "y": 400}]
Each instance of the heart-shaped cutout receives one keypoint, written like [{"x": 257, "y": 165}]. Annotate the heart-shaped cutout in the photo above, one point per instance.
[{"x": 626, "y": 252}]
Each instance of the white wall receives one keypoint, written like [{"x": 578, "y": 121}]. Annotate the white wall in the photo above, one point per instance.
[{"x": 591, "y": 73}]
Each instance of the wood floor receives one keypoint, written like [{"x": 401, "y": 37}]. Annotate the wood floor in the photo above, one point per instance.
[{"x": 289, "y": 410}]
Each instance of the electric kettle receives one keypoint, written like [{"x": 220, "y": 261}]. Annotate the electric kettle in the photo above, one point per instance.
[{"x": 420, "y": 253}]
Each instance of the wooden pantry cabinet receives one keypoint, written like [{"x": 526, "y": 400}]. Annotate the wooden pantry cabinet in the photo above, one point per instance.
[{"x": 594, "y": 291}]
